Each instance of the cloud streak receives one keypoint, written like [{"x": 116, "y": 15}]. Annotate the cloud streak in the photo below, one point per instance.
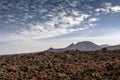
[{"x": 58, "y": 25}]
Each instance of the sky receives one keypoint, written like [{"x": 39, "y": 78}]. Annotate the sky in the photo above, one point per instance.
[{"x": 36, "y": 25}]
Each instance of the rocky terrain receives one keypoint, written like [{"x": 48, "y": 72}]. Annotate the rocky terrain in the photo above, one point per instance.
[{"x": 68, "y": 65}]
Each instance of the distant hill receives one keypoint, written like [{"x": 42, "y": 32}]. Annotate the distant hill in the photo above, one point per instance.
[
  {"x": 81, "y": 46},
  {"x": 104, "y": 45},
  {"x": 84, "y": 46},
  {"x": 56, "y": 50},
  {"x": 116, "y": 47}
]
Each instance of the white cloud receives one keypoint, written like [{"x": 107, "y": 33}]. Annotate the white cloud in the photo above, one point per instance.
[
  {"x": 43, "y": 22},
  {"x": 74, "y": 3},
  {"x": 93, "y": 19},
  {"x": 108, "y": 9},
  {"x": 102, "y": 10},
  {"x": 115, "y": 8}
]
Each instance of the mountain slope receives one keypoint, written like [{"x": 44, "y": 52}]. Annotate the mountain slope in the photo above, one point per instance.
[
  {"x": 86, "y": 46},
  {"x": 56, "y": 50}
]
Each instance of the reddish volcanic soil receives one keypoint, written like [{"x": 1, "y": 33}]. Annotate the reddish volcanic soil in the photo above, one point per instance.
[{"x": 68, "y": 65}]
